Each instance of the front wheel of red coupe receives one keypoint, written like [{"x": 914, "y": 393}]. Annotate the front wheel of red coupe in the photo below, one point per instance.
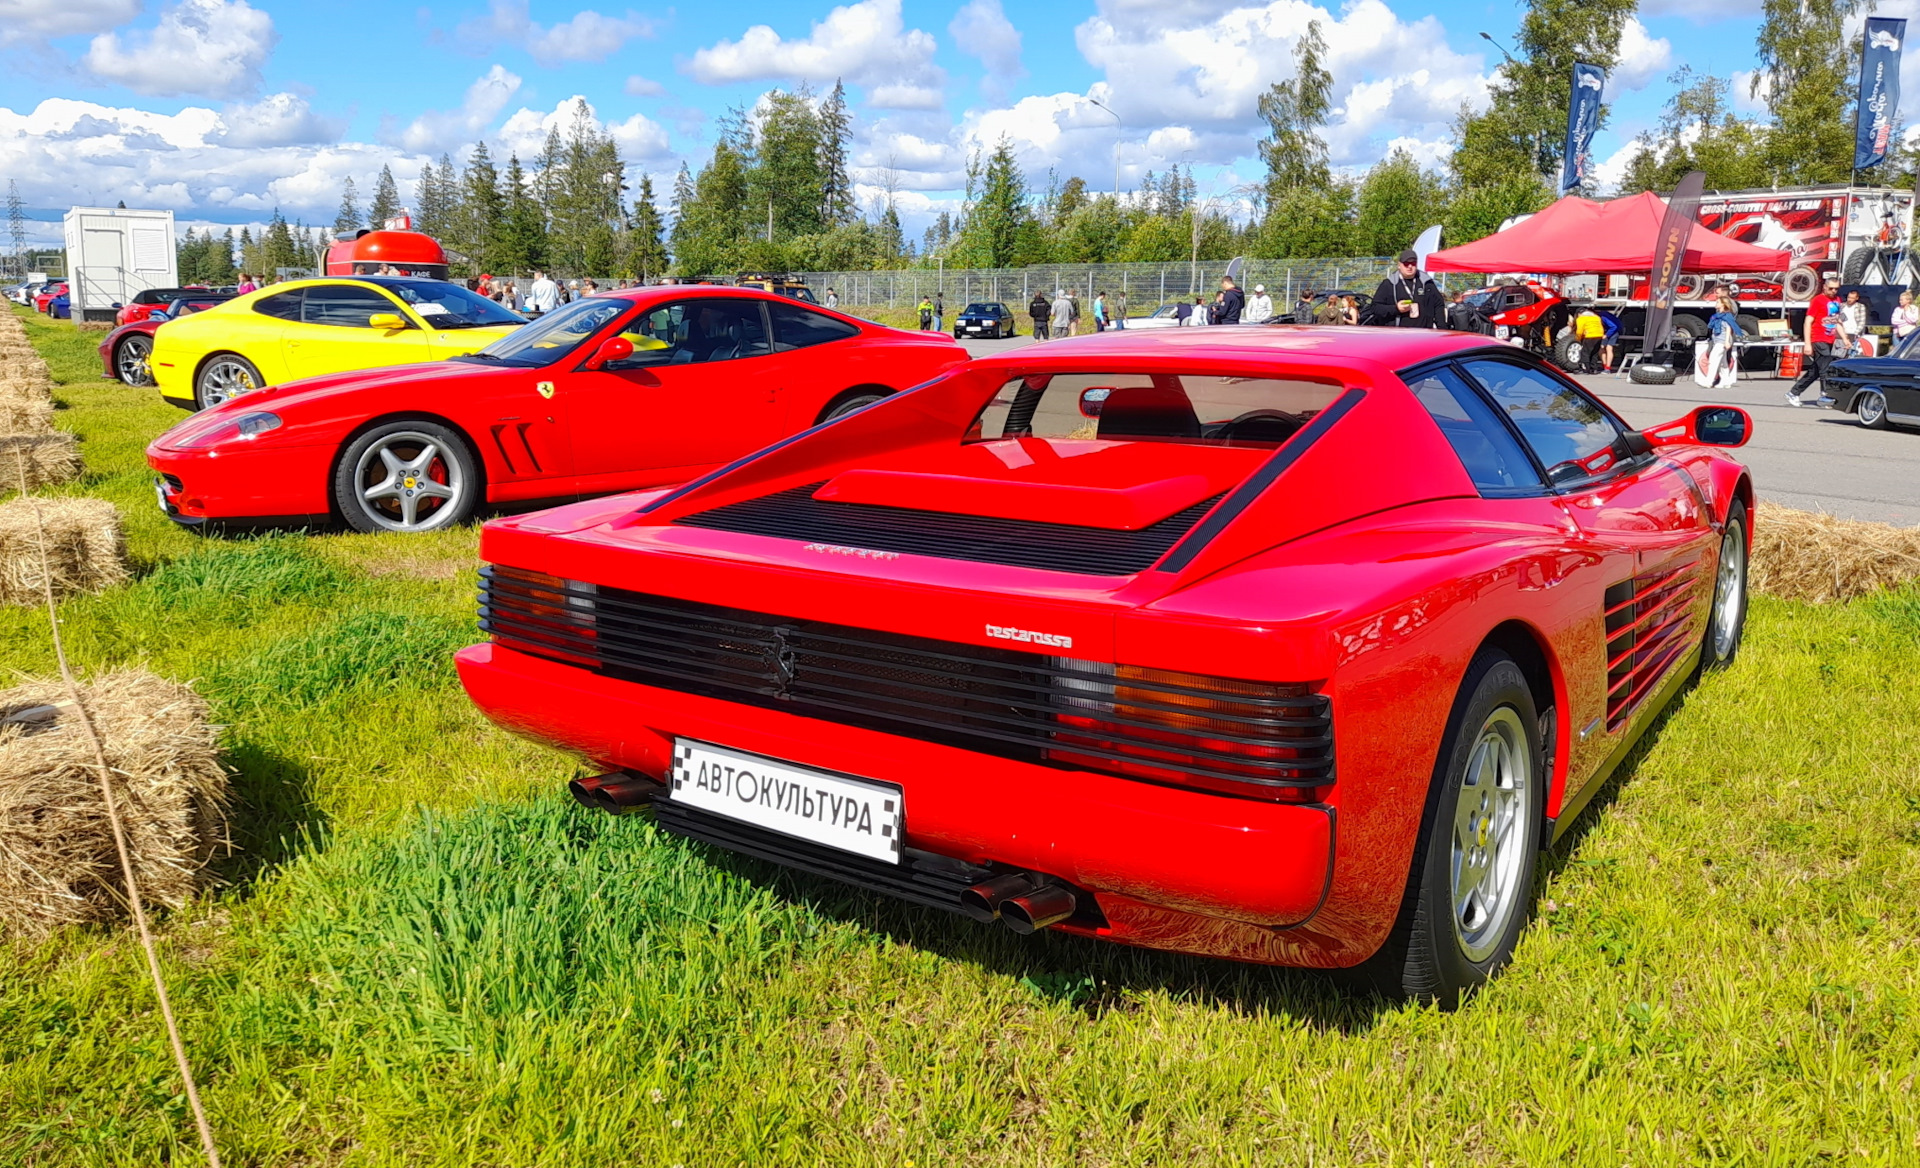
[
  {"x": 406, "y": 476},
  {"x": 1471, "y": 889},
  {"x": 131, "y": 359}
]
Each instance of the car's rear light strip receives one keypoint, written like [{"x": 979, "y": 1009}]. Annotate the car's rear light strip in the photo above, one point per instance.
[
  {"x": 1646, "y": 620},
  {"x": 1255, "y": 739}
]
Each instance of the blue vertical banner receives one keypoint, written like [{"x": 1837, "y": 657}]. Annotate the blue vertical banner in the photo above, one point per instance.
[
  {"x": 1879, "y": 91},
  {"x": 1583, "y": 118}
]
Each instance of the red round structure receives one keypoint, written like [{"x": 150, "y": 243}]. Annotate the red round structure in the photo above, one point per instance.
[{"x": 388, "y": 253}]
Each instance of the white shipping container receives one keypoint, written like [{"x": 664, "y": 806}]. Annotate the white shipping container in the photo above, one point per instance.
[{"x": 113, "y": 254}]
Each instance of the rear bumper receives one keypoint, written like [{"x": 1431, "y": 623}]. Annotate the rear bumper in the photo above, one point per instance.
[{"x": 1169, "y": 868}]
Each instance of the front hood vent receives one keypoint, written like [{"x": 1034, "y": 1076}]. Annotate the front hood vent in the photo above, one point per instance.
[{"x": 1021, "y": 543}]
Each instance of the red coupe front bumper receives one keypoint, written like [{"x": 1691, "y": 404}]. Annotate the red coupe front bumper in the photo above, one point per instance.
[
  {"x": 1168, "y": 868},
  {"x": 238, "y": 483}
]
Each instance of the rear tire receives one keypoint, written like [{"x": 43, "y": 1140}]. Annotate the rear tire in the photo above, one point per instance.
[
  {"x": 1727, "y": 619},
  {"x": 850, "y": 401},
  {"x": 1871, "y": 405},
  {"x": 1470, "y": 891},
  {"x": 1566, "y": 353},
  {"x": 224, "y": 377}
]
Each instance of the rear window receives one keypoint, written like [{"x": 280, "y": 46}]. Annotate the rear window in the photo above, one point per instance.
[{"x": 1203, "y": 409}]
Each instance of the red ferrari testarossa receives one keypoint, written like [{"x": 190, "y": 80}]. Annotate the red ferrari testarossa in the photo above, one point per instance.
[
  {"x": 1289, "y": 645},
  {"x": 629, "y": 389}
]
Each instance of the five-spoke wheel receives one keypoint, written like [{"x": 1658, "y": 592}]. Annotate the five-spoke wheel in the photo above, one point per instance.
[
  {"x": 1489, "y": 875},
  {"x": 406, "y": 476},
  {"x": 1728, "y": 618}
]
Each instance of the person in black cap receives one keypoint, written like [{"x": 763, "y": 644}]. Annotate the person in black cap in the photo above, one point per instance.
[{"x": 1415, "y": 297}]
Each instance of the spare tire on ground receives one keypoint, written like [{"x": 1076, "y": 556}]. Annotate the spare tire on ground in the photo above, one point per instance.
[{"x": 1644, "y": 373}]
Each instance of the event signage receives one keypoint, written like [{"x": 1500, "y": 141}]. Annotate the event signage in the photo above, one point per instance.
[
  {"x": 1669, "y": 255},
  {"x": 1583, "y": 118},
  {"x": 1879, "y": 90}
]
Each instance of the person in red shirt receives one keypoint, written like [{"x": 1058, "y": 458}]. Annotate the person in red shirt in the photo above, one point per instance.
[{"x": 1820, "y": 338}]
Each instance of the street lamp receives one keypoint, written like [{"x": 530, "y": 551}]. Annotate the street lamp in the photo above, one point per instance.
[
  {"x": 1116, "y": 147},
  {"x": 1503, "y": 51}
]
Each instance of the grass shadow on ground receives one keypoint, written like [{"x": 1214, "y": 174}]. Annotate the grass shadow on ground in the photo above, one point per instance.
[{"x": 273, "y": 817}]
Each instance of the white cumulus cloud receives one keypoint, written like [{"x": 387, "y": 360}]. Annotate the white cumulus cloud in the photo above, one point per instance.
[
  {"x": 208, "y": 48},
  {"x": 445, "y": 129},
  {"x": 1642, "y": 58},
  {"x": 982, "y": 30},
  {"x": 31, "y": 20},
  {"x": 638, "y": 86},
  {"x": 639, "y": 138},
  {"x": 586, "y": 36},
  {"x": 867, "y": 44},
  {"x": 280, "y": 119}
]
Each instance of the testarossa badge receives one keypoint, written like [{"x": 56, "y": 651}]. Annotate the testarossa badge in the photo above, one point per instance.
[{"x": 545, "y": 388}]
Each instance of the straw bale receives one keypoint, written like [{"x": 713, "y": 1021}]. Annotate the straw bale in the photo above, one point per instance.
[
  {"x": 38, "y": 458},
  {"x": 1805, "y": 555},
  {"x": 57, "y": 860},
  {"x": 85, "y": 548},
  {"x": 17, "y": 381},
  {"x": 25, "y": 415}
]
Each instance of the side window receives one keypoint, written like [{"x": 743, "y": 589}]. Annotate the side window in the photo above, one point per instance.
[
  {"x": 656, "y": 336},
  {"x": 1561, "y": 425},
  {"x": 1494, "y": 461},
  {"x": 795, "y": 327},
  {"x": 280, "y": 306},
  {"x": 345, "y": 306},
  {"x": 722, "y": 330}
]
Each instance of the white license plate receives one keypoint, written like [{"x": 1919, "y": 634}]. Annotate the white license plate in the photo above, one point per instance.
[{"x": 854, "y": 815}]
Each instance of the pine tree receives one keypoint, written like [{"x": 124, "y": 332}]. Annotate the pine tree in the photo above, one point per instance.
[
  {"x": 386, "y": 199},
  {"x": 346, "y": 221},
  {"x": 278, "y": 249},
  {"x": 519, "y": 245},
  {"x": 1294, "y": 110},
  {"x": 481, "y": 210},
  {"x": 787, "y": 185},
  {"x": 220, "y": 268},
  {"x": 1000, "y": 231},
  {"x": 647, "y": 253},
  {"x": 709, "y": 229},
  {"x": 427, "y": 210},
  {"x": 837, "y": 204}
]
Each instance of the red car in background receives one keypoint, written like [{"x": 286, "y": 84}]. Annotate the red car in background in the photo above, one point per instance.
[
  {"x": 125, "y": 352},
  {"x": 43, "y": 299},
  {"x": 151, "y": 300},
  {"x": 1287, "y": 645},
  {"x": 609, "y": 393}
]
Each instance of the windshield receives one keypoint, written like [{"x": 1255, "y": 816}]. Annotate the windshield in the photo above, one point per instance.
[
  {"x": 554, "y": 335},
  {"x": 981, "y": 310},
  {"x": 445, "y": 305},
  {"x": 1207, "y": 409}
]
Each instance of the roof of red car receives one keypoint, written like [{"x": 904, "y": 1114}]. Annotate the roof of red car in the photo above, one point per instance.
[{"x": 1391, "y": 347}]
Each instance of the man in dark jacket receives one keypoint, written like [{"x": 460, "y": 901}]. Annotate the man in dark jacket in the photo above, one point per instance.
[
  {"x": 1414, "y": 295},
  {"x": 1232, "y": 302},
  {"x": 1039, "y": 309}
]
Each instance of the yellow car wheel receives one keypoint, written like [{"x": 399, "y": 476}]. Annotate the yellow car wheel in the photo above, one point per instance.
[{"x": 224, "y": 376}]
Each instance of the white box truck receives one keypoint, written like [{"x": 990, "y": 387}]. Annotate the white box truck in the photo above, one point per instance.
[{"x": 114, "y": 253}]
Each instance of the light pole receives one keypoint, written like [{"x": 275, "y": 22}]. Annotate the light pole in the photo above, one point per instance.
[
  {"x": 1116, "y": 147},
  {"x": 1503, "y": 51}
]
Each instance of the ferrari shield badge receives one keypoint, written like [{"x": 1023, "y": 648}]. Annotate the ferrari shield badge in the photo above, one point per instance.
[{"x": 545, "y": 388}]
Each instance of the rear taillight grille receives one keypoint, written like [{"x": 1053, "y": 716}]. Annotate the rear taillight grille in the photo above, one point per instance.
[
  {"x": 1648, "y": 622},
  {"x": 1244, "y": 738}
]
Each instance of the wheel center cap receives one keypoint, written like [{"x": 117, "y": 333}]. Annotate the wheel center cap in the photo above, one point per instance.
[
  {"x": 409, "y": 483},
  {"x": 1483, "y": 830}
]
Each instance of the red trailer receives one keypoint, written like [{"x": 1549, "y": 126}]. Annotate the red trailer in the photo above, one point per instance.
[{"x": 387, "y": 252}]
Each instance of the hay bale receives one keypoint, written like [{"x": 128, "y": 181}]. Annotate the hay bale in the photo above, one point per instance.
[
  {"x": 38, "y": 459},
  {"x": 85, "y": 548},
  {"x": 1805, "y": 555},
  {"x": 57, "y": 860},
  {"x": 19, "y": 383},
  {"x": 25, "y": 415}
]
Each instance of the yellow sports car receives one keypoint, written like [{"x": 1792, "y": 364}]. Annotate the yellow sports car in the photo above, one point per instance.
[{"x": 307, "y": 328}]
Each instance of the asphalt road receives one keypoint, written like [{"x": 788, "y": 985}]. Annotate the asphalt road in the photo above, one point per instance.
[{"x": 1813, "y": 459}]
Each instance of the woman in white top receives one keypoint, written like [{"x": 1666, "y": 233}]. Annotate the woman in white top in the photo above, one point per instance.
[{"x": 1906, "y": 318}]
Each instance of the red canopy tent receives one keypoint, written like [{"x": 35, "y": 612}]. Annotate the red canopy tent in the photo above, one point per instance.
[{"x": 1580, "y": 235}]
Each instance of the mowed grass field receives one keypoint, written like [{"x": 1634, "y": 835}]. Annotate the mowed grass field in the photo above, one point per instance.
[{"x": 425, "y": 955}]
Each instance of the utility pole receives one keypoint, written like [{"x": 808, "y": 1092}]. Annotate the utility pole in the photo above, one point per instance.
[{"x": 16, "y": 230}]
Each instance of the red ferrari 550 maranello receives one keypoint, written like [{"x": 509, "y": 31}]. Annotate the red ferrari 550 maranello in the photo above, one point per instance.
[
  {"x": 614, "y": 392},
  {"x": 1287, "y": 645}
]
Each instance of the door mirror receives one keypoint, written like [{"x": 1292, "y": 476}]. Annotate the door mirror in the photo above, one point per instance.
[
  {"x": 391, "y": 321},
  {"x": 612, "y": 349},
  {"x": 1091, "y": 400},
  {"x": 1706, "y": 426}
]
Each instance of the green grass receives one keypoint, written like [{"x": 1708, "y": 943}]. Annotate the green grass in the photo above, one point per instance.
[{"x": 426, "y": 956}]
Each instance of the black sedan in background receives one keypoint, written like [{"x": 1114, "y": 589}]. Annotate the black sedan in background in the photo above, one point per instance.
[
  {"x": 1882, "y": 391},
  {"x": 989, "y": 319}
]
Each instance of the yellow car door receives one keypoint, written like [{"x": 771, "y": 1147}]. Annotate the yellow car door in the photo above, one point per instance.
[{"x": 352, "y": 326}]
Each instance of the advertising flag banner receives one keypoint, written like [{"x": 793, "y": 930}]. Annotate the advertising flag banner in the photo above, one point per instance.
[
  {"x": 1583, "y": 117},
  {"x": 1669, "y": 253},
  {"x": 1879, "y": 90}
]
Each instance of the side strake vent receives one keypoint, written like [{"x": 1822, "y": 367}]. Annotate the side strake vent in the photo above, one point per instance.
[
  {"x": 1646, "y": 634},
  {"x": 1020, "y": 543}
]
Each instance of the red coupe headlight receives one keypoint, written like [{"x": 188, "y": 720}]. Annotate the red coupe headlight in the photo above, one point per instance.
[{"x": 1266, "y": 740}]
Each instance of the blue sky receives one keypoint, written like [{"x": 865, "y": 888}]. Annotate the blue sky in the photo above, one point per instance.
[{"x": 224, "y": 109}]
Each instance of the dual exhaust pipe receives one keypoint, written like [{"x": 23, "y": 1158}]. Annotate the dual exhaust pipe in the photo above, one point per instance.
[
  {"x": 614, "y": 793},
  {"x": 1023, "y": 903}
]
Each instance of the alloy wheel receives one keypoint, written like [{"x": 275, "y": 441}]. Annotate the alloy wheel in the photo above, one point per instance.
[
  {"x": 224, "y": 380},
  {"x": 1729, "y": 591},
  {"x": 1489, "y": 835},
  {"x": 407, "y": 482},
  {"x": 132, "y": 362}
]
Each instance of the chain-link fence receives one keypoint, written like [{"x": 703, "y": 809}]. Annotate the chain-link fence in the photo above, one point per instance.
[{"x": 1144, "y": 285}]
